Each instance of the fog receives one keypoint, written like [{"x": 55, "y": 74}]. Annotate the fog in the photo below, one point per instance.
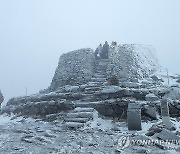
[{"x": 34, "y": 33}]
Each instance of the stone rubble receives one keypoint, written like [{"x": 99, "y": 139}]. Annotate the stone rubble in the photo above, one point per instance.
[{"x": 81, "y": 99}]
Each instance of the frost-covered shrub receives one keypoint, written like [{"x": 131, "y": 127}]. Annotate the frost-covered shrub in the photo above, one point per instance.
[{"x": 75, "y": 67}]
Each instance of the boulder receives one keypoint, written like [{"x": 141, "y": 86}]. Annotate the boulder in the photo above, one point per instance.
[
  {"x": 151, "y": 97},
  {"x": 167, "y": 135},
  {"x": 151, "y": 112},
  {"x": 155, "y": 78}
]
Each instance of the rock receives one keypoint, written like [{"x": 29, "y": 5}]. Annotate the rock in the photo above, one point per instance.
[
  {"x": 79, "y": 109},
  {"x": 142, "y": 151},
  {"x": 128, "y": 92},
  {"x": 175, "y": 85},
  {"x": 178, "y": 81},
  {"x": 167, "y": 135},
  {"x": 150, "y": 133},
  {"x": 79, "y": 120},
  {"x": 80, "y": 115},
  {"x": 151, "y": 112},
  {"x": 155, "y": 78},
  {"x": 151, "y": 97},
  {"x": 130, "y": 85},
  {"x": 178, "y": 149},
  {"x": 156, "y": 129},
  {"x": 178, "y": 133},
  {"x": 42, "y": 108},
  {"x": 72, "y": 89},
  {"x": 134, "y": 80},
  {"x": 73, "y": 125}
]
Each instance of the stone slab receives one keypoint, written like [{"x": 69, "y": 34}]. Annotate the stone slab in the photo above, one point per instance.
[
  {"x": 134, "y": 117},
  {"x": 151, "y": 112},
  {"x": 167, "y": 135},
  {"x": 79, "y": 120}
]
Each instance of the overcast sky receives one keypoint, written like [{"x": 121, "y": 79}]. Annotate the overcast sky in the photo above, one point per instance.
[{"x": 34, "y": 33}]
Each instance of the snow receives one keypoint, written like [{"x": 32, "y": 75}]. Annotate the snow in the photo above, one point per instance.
[
  {"x": 146, "y": 56},
  {"x": 5, "y": 119}
]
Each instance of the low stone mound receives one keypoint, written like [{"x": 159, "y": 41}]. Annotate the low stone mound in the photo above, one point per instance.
[
  {"x": 75, "y": 67},
  {"x": 82, "y": 81},
  {"x": 132, "y": 61}
]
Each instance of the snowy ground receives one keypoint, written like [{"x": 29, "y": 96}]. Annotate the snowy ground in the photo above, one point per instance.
[{"x": 30, "y": 136}]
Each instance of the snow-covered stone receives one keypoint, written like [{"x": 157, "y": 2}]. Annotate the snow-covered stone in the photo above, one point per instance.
[
  {"x": 76, "y": 67},
  {"x": 151, "y": 112},
  {"x": 167, "y": 135},
  {"x": 39, "y": 108},
  {"x": 174, "y": 93},
  {"x": 151, "y": 97},
  {"x": 130, "y": 84},
  {"x": 73, "y": 89},
  {"x": 132, "y": 61}
]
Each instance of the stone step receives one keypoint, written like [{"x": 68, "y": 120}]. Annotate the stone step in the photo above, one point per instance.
[
  {"x": 80, "y": 115},
  {"x": 73, "y": 125},
  {"x": 79, "y": 109},
  {"x": 93, "y": 84},
  {"x": 92, "y": 88},
  {"x": 79, "y": 120},
  {"x": 89, "y": 99},
  {"x": 87, "y": 104},
  {"x": 98, "y": 79},
  {"x": 97, "y": 75},
  {"x": 101, "y": 73},
  {"x": 89, "y": 92},
  {"x": 87, "y": 96}
]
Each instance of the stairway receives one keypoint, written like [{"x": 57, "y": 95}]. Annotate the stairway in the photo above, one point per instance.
[
  {"x": 79, "y": 117},
  {"x": 99, "y": 78},
  {"x": 100, "y": 72},
  {"x": 82, "y": 114}
]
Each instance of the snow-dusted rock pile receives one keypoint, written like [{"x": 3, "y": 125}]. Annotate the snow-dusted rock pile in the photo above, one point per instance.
[
  {"x": 82, "y": 81},
  {"x": 130, "y": 61},
  {"x": 74, "y": 68},
  {"x": 37, "y": 105}
]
